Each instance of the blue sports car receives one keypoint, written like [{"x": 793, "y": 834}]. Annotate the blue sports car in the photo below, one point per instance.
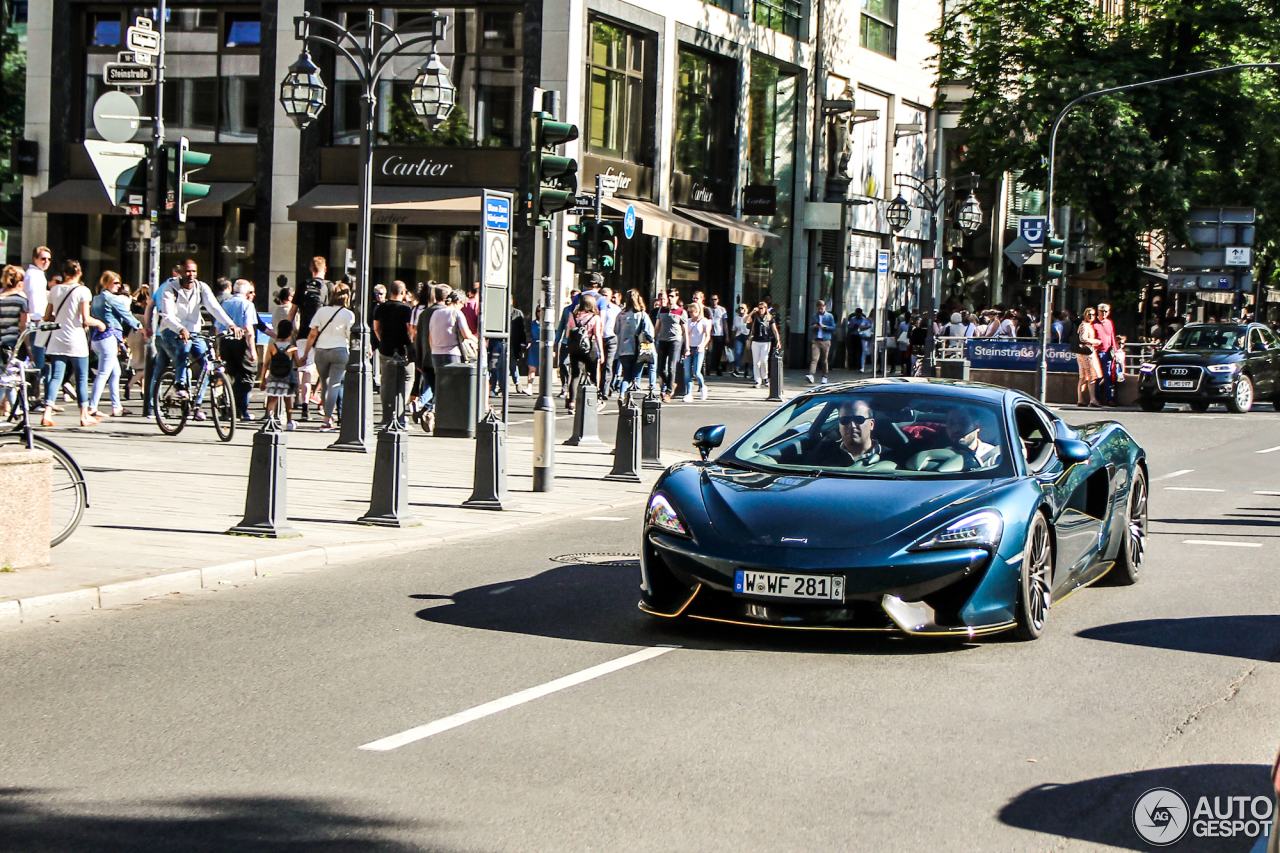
[{"x": 922, "y": 506}]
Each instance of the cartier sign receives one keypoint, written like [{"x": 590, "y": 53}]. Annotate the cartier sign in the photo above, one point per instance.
[
  {"x": 424, "y": 167},
  {"x": 700, "y": 193},
  {"x": 634, "y": 181}
]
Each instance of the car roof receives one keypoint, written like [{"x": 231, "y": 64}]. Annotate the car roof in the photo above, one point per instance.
[{"x": 913, "y": 384}]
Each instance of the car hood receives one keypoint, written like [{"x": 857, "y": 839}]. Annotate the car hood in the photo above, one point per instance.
[
  {"x": 825, "y": 512},
  {"x": 1198, "y": 357}
]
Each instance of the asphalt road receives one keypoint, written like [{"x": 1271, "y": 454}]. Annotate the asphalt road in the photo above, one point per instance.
[{"x": 233, "y": 719}]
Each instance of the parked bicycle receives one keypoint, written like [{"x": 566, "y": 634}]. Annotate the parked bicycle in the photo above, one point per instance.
[
  {"x": 172, "y": 409},
  {"x": 69, "y": 495}
]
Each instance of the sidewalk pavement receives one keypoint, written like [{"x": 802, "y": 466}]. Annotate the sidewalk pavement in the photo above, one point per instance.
[{"x": 160, "y": 507}]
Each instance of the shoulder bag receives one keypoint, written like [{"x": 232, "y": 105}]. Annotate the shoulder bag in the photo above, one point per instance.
[{"x": 470, "y": 349}]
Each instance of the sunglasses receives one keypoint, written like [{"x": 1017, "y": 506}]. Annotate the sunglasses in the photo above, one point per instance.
[{"x": 850, "y": 420}]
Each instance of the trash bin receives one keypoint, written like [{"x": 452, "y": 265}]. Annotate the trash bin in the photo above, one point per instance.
[
  {"x": 953, "y": 368},
  {"x": 456, "y": 412}
]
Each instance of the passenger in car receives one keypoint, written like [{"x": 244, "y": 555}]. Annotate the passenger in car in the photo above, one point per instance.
[
  {"x": 964, "y": 431},
  {"x": 854, "y": 448}
]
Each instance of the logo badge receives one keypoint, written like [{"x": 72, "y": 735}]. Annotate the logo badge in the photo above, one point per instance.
[{"x": 1161, "y": 817}]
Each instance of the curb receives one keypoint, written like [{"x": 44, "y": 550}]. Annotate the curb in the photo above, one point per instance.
[{"x": 26, "y": 611}]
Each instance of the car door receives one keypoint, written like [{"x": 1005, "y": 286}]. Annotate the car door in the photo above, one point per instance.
[
  {"x": 1272, "y": 344},
  {"x": 1068, "y": 489},
  {"x": 1261, "y": 364}
]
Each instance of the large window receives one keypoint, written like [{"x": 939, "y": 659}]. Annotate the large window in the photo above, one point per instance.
[
  {"x": 705, "y": 140},
  {"x": 880, "y": 26},
  {"x": 771, "y": 161},
  {"x": 211, "y": 70},
  {"x": 483, "y": 51},
  {"x": 618, "y": 62},
  {"x": 780, "y": 15}
]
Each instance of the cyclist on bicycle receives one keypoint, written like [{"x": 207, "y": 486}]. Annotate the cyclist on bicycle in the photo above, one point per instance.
[{"x": 180, "y": 324}]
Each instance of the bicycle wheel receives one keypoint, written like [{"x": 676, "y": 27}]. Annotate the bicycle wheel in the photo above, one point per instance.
[
  {"x": 223, "y": 406},
  {"x": 69, "y": 494},
  {"x": 171, "y": 411}
]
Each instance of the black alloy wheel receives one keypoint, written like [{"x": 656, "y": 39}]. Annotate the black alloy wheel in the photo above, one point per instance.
[
  {"x": 1134, "y": 549},
  {"x": 171, "y": 411},
  {"x": 1241, "y": 399},
  {"x": 223, "y": 407},
  {"x": 1032, "y": 610}
]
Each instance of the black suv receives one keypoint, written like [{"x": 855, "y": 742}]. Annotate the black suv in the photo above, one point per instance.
[{"x": 1205, "y": 363}]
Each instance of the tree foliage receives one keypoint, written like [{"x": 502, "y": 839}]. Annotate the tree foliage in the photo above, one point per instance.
[
  {"x": 13, "y": 98},
  {"x": 1137, "y": 161}
]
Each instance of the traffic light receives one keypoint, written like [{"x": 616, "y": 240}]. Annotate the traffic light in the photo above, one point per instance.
[
  {"x": 606, "y": 247},
  {"x": 1054, "y": 258},
  {"x": 553, "y": 179},
  {"x": 581, "y": 246},
  {"x": 180, "y": 161}
]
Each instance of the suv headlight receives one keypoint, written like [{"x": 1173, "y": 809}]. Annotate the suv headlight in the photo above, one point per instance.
[
  {"x": 980, "y": 529},
  {"x": 1230, "y": 367},
  {"x": 663, "y": 515}
]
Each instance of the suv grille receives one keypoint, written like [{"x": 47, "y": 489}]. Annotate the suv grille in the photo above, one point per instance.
[{"x": 1176, "y": 377}]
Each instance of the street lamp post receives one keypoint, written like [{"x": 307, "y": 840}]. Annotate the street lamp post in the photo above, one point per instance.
[
  {"x": 303, "y": 96},
  {"x": 933, "y": 192}
]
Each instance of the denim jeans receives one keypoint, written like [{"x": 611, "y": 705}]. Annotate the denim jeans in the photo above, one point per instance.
[
  {"x": 739, "y": 347},
  {"x": 108, "y": 350},
  {"x": 669, "y": 352},
  {"x": 1106, "y": 385},
  {"x": 693, "y": 371},
  {"x": 58, "y": 371},
  {"x": 181, "y": 351}
]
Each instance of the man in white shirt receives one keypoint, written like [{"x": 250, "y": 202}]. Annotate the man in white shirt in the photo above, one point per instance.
[
  {"x": 157, "y": 357},
  {"x": 719, "y": 334},
  {"x": 36, "y": 290},
  {"x": 180, "y": 321}
]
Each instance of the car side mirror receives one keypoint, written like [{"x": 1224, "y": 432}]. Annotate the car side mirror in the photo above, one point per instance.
[
  {"x": 1071, "y": 451},
  {"x": 708, "y": 438}
]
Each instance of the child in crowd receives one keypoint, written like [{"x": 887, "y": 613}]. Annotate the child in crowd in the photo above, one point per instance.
[{"x": 280, "y": 380}]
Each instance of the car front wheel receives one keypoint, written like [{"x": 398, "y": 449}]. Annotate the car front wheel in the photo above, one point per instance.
[
  {"x": 1241, "y": 399},
  {"x": 1032, "y": 609}
]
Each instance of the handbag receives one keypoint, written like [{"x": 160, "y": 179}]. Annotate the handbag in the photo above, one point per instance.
[{"x": 470, "y": 349}]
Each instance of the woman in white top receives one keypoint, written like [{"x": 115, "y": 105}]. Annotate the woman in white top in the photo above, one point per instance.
[
  {"x": 448, "y": 328},
  {"x": 329, "y": 340},
  {"x": 699, "y": 337},
  {"x": 68, "y": 345}
]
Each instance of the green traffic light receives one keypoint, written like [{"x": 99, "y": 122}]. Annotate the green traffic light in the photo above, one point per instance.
[{"x": 554, "y": 133}]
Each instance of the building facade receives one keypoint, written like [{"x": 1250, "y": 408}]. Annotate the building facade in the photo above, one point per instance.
[{"x": 710, "y": 115}]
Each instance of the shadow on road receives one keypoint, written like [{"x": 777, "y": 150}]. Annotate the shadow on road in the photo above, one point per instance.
[
  {"x": 1101, "y": 810},
  {"x": 597, "y": 603},
  {"x": 1248, "y": 637},
  {"x": 196, "y": 825}
]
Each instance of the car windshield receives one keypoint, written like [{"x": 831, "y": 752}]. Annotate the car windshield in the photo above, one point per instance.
[
  {"x": 870, "y": 433},
  {"x": 1224, "y": 338}
]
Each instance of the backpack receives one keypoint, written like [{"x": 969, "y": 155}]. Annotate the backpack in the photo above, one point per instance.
[
  {"x": 311, "y": 295},
  {"x": 281, "y": 364},
  {"x": 578, "y": 341},
  {"x": 645, "y": 351}
]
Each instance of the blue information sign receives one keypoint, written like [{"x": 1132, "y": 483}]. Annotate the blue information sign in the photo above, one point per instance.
[
  {"x": 1003, "y": 354},
  {"x": 629, "y": 222},
  {"x": 497, "y": 213}
]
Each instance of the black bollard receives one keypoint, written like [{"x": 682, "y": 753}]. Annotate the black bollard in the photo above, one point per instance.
[
  {"x": 626, "y": 448},
  {"x": 775, "y": 376},
  {"x": 389, "y": 502},
  {"x": 651, "y": 432},
  {"x": 585, "y": 432},
  {"x": 266, "y": 500},
  {"x": 490, "y": 489}
]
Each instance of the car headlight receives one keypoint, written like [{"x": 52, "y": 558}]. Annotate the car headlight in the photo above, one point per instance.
[
  {"x": 977, "y": 530},
  {"x": 663, "y": 515},
  {"x": 1147, "y": 368},
  {"x": 1232, "y": 367}
]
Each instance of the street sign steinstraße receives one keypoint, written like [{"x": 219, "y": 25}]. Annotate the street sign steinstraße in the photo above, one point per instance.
[{"x": 128, "y": 74}]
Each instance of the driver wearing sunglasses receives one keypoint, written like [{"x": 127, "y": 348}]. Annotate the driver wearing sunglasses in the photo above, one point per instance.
[{"x": 853, "y": 448}]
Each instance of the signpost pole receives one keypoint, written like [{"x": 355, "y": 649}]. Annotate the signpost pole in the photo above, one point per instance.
[{"x": 154, "y": 170}]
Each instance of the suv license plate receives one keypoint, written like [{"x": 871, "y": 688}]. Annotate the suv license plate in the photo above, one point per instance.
[
  {"x": 1179, "y": 383},
  {"x": 777, "y": 585}
]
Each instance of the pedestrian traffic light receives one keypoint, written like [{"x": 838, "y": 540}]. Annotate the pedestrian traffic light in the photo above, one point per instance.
[
  {"x": 581, "y": 246},
  {"x": 553, "y": 179},
  {"x": 1054, "y": 258},
  {"x": 180, "y": 162},
  {"x": 606, "y": 247}
]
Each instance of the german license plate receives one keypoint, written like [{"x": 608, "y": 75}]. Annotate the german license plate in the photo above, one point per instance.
[
  {"x": 1179, "y": 383},
  {"x": 778, "y": 585}
]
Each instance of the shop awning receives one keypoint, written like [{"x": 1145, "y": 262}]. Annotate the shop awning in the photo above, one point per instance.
[
  {"x": 391, "y": 205},
  {"x": 740, "y": 231},
  {"x": 88, "y": 197},
  {"x": 657, "y": 222}
]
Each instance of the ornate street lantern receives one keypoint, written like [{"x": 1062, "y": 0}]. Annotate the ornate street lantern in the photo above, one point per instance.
[
  {"x": 898, "y": 213},
  {"x": 433, "y": 94},
  {"x": 969, "y": 217},
  {"x": 302, "y": 92}
]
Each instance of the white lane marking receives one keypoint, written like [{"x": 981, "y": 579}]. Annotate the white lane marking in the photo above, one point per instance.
[
  {"x": 1189, "y": 489},
  {"x": 605, "y": 518},
  {"x": 1176, "y": 474},
  {"x": 1269, "y": 449},
  {"x": 1220, "y": 542},
  {"x": 1269, "y": 494},
  {"x": 480, "y": 711}
]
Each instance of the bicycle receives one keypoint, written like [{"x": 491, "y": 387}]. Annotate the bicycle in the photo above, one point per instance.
[
  {"x": 172, "y": 409},
  {"x": 69, "y": 496}
]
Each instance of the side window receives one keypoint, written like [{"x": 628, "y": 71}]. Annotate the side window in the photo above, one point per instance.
[
  {"x": 1255, "y": 341},
  {"x": 1269, "y": 337},
  {"x": 1036, "y": 437}
]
